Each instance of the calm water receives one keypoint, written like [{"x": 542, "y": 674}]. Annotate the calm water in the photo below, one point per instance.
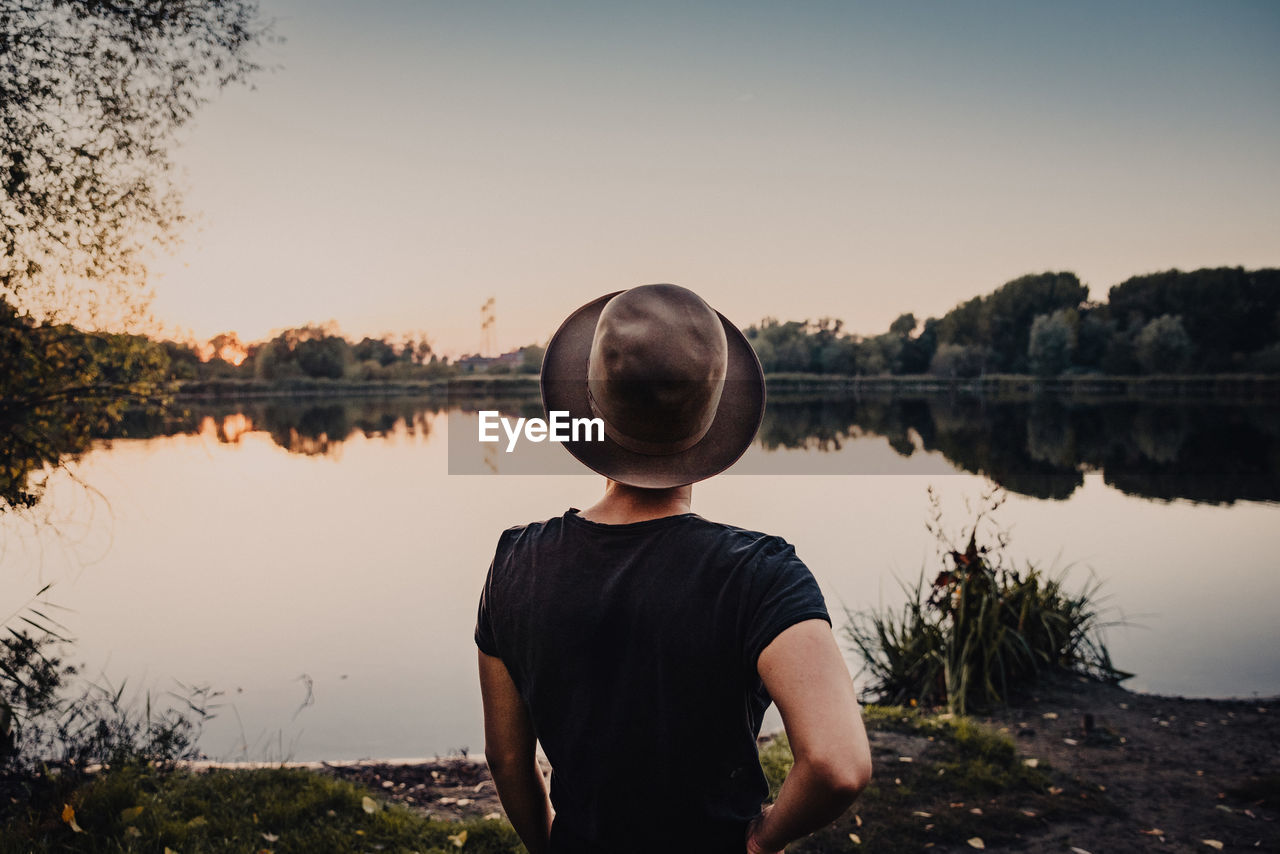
[{"x": 318, "y": 564}]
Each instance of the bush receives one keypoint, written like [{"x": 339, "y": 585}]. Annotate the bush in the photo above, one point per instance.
[{"x": 981, "y": 631}]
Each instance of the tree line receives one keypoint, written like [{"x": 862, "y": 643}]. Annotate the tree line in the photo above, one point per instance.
[{"x": 1219, "y": 320}]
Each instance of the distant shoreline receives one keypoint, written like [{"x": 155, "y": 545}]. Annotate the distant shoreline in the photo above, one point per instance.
[{"x": 1160, "y": 387}]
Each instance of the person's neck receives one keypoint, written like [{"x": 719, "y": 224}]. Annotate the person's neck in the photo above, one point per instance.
[{"x": 623, "y": 504}]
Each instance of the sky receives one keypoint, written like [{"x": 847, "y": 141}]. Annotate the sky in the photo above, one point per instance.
[{"x": 403, "y": 161}]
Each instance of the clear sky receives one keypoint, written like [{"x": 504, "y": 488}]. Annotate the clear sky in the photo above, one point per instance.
[{"x": 409, "y": 159}]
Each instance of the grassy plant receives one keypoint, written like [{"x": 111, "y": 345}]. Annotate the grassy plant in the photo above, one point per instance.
[
  {"x": 50, "y": 719},
  {"x": 982, "y": 630},
  {"x": 136, "y": 808}
]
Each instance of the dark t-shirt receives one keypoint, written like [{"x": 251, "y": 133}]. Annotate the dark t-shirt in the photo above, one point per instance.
[{"x": 634, "y": 647}]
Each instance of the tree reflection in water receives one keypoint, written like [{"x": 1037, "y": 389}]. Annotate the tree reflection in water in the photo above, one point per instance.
[{"x": 1042, "y": 446}]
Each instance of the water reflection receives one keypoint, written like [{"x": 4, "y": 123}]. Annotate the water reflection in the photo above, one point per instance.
[{"x": 1039, "y": 446}]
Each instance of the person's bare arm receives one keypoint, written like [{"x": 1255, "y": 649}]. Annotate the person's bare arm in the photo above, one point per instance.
[
  {"x": 510, "y": 749},
  {"x": 805, "y": 674}
]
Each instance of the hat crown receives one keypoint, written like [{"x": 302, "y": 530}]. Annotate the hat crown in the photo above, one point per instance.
[{"x": 656, "y": 368}]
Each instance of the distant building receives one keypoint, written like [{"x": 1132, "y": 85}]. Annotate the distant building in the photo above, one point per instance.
[{"x": 478, "y": 364}]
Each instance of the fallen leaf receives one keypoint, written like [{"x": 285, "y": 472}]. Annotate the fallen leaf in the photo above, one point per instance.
[
  {"x": 1070, "y": 741},
  {"x": 198, "y": 821},
  {"x": 1054, "y": 790},
  {"x": 976, "y": 810},
  {"x": 369, "y": 804},
  {"x": 1050, "y": 716},
  {"x": 857, "y": 821},
  {"x": 493, "y": 816},
  {"x": 855, "y": 839},
  {"x": 270, "y": 837},
  {"x": 976, "y": 842},
  {"x": 1029, "y": 813},
  {"x": 1155, "y": 831},
  {"x": 905, "y": 759},
  {"x": 1075, "y": 850},
  {"x": 1031, "y": 763},
  {"x": 922, "y": 814},
  {"x": 129, "y": 814},
  {"x": 459, "y": 839},
  {"x": 1213, "y": 843},
  {"x": 69, "y": 816},
  {"x": 1224, "y": 808},
  {"x": 463, "y": 802},
  {"x": 168, "y": 850}
]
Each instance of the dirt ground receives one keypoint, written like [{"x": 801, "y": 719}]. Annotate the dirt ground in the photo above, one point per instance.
[
  {"x": 1176, "y": 772},
  {"x": 1171, "y": 774}
]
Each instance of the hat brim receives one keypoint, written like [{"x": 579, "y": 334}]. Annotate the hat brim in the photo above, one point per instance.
[{"x": 737, "y": 419}]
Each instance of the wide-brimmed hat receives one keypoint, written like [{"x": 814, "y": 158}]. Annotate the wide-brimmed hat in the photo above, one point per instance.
[{"x": 678, "y": 387}]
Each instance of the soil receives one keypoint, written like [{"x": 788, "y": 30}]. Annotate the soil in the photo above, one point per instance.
[
  {"x": 1172, "y": 772},
  {"x": 1154, "y": 773}
]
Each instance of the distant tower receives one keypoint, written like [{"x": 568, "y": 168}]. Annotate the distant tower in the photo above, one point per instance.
[{"x": 488, "y": 324}]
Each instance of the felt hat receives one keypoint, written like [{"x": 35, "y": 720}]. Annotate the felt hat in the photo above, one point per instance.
[{"x": 678, "y": 387}]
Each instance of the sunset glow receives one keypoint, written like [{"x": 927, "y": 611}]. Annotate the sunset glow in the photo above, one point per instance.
[{"x": 873, "y": 159}]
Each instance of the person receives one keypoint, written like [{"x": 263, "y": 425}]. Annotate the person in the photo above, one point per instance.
[{"x": 641, "y": 643}]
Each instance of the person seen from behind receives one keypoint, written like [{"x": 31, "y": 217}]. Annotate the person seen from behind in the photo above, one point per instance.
[{"x": 641, "y": 643}]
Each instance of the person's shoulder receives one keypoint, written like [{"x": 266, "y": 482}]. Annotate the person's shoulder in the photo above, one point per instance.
[
  {"x": 529, "y": 532},
  {"x": 747, "y": 543}
]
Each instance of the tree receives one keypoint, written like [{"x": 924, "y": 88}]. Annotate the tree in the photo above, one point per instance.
[
  {"x": 1001, "y": 321},
  {"x": 1163, "y": 346},
  {"x": 904, "y": 325},
  {"x": 531, "y": 359},
  {"x": 61, "y": 389},
  {"x": 959, "y": 360},
  {"x": 1052, "y": 341},
  {"x": 1227, "y": 312},
  {"x": 91, "y": 95},
  {"x": 918, "y": 352},
  {"x": 378, "y": 350},
  {"x": 312, "y": 351}
]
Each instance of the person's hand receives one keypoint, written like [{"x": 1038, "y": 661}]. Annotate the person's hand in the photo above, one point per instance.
[{"x": 754, "y": 845}]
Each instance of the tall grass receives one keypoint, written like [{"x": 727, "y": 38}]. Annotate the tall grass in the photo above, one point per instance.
[{"x": 981, "y": 631}]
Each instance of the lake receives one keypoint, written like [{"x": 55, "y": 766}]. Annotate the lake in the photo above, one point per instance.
[{"x": 317, "y": 562}]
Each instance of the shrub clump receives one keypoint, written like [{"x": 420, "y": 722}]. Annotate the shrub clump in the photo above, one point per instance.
[{"x": 982, "y": 630}]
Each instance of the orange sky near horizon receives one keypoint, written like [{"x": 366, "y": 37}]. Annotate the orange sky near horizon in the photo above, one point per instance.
[{"x": 405, "y": 162}]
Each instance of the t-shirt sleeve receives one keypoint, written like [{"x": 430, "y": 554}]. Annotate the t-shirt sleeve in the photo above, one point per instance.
[
  {"x": 484, "y": 633},
  {"x": 784, "y": 592}
]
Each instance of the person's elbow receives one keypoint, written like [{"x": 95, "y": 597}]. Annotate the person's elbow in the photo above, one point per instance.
[{"x": 844, "y": 774}]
